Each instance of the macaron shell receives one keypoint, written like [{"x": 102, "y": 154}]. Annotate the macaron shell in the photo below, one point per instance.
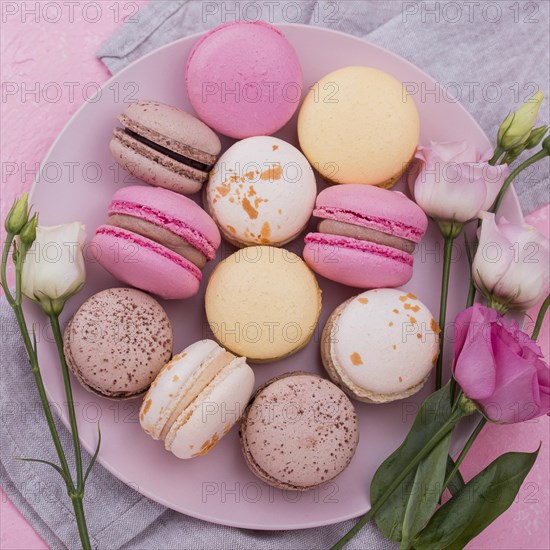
[
  {"x": 261, "y": 191},
  {"x": 254, "y": 79},
  {"x": 214, "y": 412},
  {"x": 178, "y": 126},
  {"x": 171, "y": 211},
  {"x": 387, "y": 344},
  {"x": 366, "y": 266},
  {"x": 135, "y": 336},
  {"x": 359, "y": 125},
  {"x": 173, "y": 379},
  {"x": 299, "y": 431},
  {"x": 380, "y": 209},
  {"x": 263, "y": 303},
  {"x": 156, "y": 169},
  {"x": 144, "y": 264}
]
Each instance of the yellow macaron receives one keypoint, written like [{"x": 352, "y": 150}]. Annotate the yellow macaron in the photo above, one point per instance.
[
  {"x": 359, "y": 125},
  {"x": 263, "y": 303}
]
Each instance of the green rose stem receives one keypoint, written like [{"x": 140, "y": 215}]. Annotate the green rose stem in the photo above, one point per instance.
[
  {"x": 447, "y": 253},
  {"x": 498, "y": 152},
  {"x": 448, "y": 427},
  {"x": 540, "y": 317},
  {"x": 76, "y": 494},
  {"x": 463, "y": 453},
  {"x": 519, "y": 168}
]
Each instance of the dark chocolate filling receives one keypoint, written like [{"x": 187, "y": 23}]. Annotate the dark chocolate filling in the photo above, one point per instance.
[{"x": 167, "y": 152}]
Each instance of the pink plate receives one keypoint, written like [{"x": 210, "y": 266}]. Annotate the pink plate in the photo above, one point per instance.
[{"x": 77, "y": 181}]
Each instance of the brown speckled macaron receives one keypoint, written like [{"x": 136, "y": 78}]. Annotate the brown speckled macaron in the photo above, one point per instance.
[
  {"x": 299, "y": 431},
  {"x": 117, "y": 342}
]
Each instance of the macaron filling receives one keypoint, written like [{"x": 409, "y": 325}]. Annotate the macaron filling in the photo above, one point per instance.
[
  {"x": 383, "y": 225},
  {"x": 144, "y": 242},
  {"x": 156, "y": 233},
  {"x": 181, "y": 152},
  {"x": 187, "y": 161},
  {"x": 159, "y": 218},
  {"x": 325, "y": 239},
  {"x": 380, "y": 236},
  {"x": 204, "y": 377},
  {"x": 361, "y": 233}
]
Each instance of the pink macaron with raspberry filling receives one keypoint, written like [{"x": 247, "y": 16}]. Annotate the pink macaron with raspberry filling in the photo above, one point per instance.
[
  {"x": 156, "y": 240},
  {"x": 366, "y": 236}
]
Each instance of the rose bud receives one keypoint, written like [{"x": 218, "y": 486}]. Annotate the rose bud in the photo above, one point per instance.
[
  {"x": 517, "y": 126},
  {"x": 18, "y": 215}
]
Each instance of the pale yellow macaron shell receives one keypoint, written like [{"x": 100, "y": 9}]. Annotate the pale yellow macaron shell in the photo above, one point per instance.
[
  {"x": 263, "y": 303},
  {"x": 359, "y": 125}
]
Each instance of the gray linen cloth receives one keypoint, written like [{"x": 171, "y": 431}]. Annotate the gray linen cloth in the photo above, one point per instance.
[{"x": 485, "y": 51}]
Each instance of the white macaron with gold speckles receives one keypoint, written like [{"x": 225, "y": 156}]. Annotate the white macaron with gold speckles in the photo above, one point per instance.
[
  {"x": 261, "y": 191},
  {"x": 381, "y": 345},
  {"x": 196, "y": 398}
]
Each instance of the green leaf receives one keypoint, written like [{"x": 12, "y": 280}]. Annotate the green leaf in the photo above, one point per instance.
[
  {"x": 54, "y": 466},
  {"x": 94, "y": 458},
  {"x": 432, "y": 415},
  {"x": 425, "y": 491},
  {"x": 457, "y": 482},
  {"x": 477, "y": 504}
]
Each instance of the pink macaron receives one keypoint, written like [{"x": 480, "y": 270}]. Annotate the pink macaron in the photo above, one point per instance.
[
  {"x": 365, "y": 237},
  {"x": 244, "y": 79},
  {"x": 156, "y": 240}
]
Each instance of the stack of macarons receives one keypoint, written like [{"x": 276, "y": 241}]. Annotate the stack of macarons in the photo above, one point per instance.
[{"x": 262, "y": 302}]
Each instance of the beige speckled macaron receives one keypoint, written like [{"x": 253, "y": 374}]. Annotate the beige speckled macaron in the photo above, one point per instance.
[
  {"x": 381, "y": 345},
  {"x": 117, "y": 342},
  {"x": 263, "y": 303}
]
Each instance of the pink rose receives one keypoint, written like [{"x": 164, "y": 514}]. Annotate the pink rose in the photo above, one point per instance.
[
  {"x": 453, "y": 182},
  {"x": 499, "y": 367},
  {"x": 510, "y": 267}
]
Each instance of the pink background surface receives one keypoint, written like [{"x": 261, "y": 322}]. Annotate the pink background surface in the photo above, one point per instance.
[{"x": 35, "y": 54}]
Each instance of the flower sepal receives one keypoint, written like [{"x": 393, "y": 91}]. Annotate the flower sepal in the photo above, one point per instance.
[
  {"x": 449, "y": 229},
  {"x": 467, "y": 406}
]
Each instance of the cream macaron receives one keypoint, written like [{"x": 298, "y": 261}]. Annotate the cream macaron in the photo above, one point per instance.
[
  {"x": 263, "y": 302},
  {"x": 359, "y": 125},
  {"x": 381, "y": 345},
  {"x": 196, "y": 398},
  {"x": 261, "y": 191}
]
